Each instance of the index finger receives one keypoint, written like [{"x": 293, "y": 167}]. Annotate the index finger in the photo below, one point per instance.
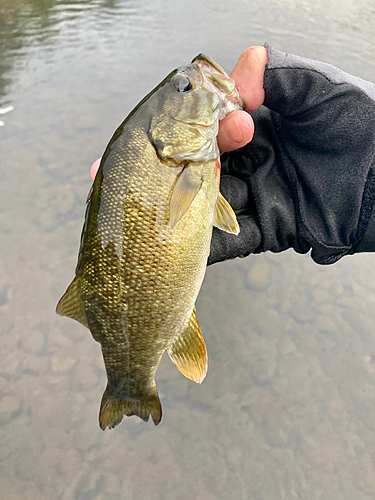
[{"x": 248, "y": 74}]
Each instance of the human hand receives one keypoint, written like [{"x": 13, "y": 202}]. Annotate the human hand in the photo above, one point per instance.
[{"x": 307, "y": 179}]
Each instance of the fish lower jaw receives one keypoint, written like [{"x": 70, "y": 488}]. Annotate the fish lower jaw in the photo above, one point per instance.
[
  {"x": 227, "y": 107},
  {"x": 228, "y": 102}
]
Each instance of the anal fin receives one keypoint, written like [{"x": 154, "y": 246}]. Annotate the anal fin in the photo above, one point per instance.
[
  {"x": 71, "y": 304},
  {"x": 189, "y": 353}
]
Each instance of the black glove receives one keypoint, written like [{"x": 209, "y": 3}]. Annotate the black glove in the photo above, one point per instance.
[{"x": 307, "y": 179}]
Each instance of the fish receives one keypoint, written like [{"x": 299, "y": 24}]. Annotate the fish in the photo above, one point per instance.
[{"x": 146, "y": 237}]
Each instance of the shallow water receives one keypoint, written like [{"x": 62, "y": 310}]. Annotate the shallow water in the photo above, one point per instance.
[{"x": 287, "y": 409}]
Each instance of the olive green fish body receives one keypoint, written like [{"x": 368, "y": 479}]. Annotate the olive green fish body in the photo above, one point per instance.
[{"x": 145, "y": 243}]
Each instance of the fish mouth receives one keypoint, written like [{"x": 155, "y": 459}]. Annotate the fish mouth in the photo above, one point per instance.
[{"x": 216, "y": 80}]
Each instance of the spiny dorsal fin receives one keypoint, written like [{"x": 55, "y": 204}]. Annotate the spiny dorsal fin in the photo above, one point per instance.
[
  {"x": 189, "y": 353},
  {"x": 185, "y": 190},
  {"x": 225, "y": 218},
  {"x": 71, "y": 304}
]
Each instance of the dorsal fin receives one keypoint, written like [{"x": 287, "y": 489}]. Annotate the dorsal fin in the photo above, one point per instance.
[
  {"x": 189, "y": 353},
  {"x": 71, "y": 304},
  {"x": 225, "y": 218}
]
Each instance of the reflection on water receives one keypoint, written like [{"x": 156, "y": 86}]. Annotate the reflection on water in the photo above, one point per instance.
[
  {"x": 287, "y": 409},
  {"x": 26, "y": 24}
]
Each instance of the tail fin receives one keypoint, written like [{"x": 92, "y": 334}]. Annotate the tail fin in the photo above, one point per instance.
[{"x": 113, "y": 409}]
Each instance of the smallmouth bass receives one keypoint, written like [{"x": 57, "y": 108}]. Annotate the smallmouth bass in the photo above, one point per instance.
[{"x": 146, "y": 237}]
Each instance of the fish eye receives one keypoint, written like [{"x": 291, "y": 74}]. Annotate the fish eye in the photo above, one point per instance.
[{"x": 181, "y": 83}]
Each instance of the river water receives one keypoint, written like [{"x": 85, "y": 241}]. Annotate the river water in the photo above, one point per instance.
[{"x": 287, "y": 410}]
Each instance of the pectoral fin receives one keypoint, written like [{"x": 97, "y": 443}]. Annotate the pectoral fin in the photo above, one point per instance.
[
  {"x": 225, "y": 218},
  {"x": 71, "y": 304},
  {"x": 188, "y": 352},
  {"x": 185, "y": 190}
]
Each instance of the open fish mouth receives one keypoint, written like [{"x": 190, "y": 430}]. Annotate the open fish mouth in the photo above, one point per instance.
[{"x": 217, "y": 81}]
